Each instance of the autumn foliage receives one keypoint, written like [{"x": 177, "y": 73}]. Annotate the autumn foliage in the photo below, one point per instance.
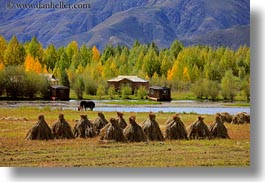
[{"x": 178, "y": 67}]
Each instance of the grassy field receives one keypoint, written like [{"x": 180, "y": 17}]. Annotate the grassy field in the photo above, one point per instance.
[{"x": 16, "y": 151}]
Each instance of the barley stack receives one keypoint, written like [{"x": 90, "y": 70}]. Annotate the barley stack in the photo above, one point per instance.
[
  {"x": 100, "y": 122},
  {"x": 151, "y": 129},
  {"x": 198, "y": 130},
  {"x": 217, "y": 128},
  {"x": 133, "y": 132},
  {"x": 61, "y": 129},
  {"x": 241, "y": 118},
  {"x": 112, "y": 132},
  {"x": 84, "y": 128},
  {"x": 225, "y": 117},
  {"x": 175, "y": 129},
  {"x": 40, "y": 131},
  {"x": 121, "y": 122}
]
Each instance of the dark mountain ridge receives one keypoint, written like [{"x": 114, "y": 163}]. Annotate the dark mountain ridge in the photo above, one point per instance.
[{"x": 124, "y": 21}]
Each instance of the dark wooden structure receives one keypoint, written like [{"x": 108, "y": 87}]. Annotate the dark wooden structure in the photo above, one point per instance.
[
  {"x": 132, "y": 81},
  {"x": 159, "y": 93},
  {"x": 59, "y": 92}
]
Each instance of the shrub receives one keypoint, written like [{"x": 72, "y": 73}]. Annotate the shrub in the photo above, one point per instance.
[
  {"x": 111, "y": 92},
  {"x": 125, "y": 92},
  {"x": 100, "y": 91},
  {"x": 90, "y": 86},
  {"x": 79, "y": 87},
  {"x": 141, "y": 92}
]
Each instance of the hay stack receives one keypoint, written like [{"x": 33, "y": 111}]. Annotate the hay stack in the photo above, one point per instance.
[
  {"x": 198, "y": 130},
  {"x": 121, "y": 122},
  {"x": 133, "y": 132},
  {"x": 175, "y": 129},
  {"x": 61, "y": 129},
  {"x": 112, "y": 132},
  {"x": 241, "y": 118},
  {"x": 217, "y": 128},
  {"x": 40, "y": 131},
  {"x": 84, "y": 128},
  {"x": 151, "y": 129},
  {"x": 225, "y": 117},
  {"x": 100, "y": 121}
]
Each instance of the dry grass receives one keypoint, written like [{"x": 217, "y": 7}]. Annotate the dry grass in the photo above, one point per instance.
[{"x": 16, "y": 151}]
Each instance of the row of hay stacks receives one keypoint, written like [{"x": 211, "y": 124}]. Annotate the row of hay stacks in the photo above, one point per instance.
[
  {"x": 118, "y": 130},
  {"x": 239, "y": 118}
]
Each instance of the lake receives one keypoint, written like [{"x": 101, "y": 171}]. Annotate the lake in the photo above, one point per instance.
[{"x": 180, "y": 106}]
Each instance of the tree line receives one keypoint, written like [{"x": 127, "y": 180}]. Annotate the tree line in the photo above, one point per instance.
[{"x": 206, "y": 71}]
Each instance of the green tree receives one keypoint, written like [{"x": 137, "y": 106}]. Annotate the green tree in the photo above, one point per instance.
[
  {"x": 14, "y": 78},
  {"x": 111, "y": 92},
  {"x": 79, "y": 87},
  {"x": 213, "y": 89},
  {"x": 100, "y": 90},
  {"x": 3, "y": 45},
  {"x": 229, "y": 85},
  {"x": 71, "y": 50},
  {"x": 90, "y": 85},
  {"x": 85, "y": 55},
  {"x": 199, "y": 88},
  {"x": 15, "y": 53},
  {"x": 141, "y": 92},
  {"x": 126, "y": 91},
  {"x": 33, "y": 83},
  {"x": 151, "y": 63},
  {"x": 246, "y": 87},
  {"x": 50, "y": 57},
  {"x": 64, "y": 78},
  {"x": 175, "y": 48},
  {"x": 35, "y": 49}
]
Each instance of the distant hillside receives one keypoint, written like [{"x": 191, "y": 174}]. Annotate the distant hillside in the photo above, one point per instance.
[{"x": 211, "y": 22}]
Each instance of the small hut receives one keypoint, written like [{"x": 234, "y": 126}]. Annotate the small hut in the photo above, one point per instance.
[
  {"x": 151, "y": 129},
  {"x": 84, "y": 128},
  {"x": 61, "y": 129},
  {"x": 40, "y": 131},
  {"x": 198, "y": 130},
  {"x": 241, "y": 118},
  {"x": 158, "y": 93},
  {"x": 175, "y": 129},
  {"x": 217, "y": 128},
  {"x": 59, "y": 92},
  {"x": 133, "y": 132},
  {"x": 100, "y": 122},
  {"x": 112, "y": 132},
  {"x": 121, "y": 121},
  {"x": 132, "y": 81}
]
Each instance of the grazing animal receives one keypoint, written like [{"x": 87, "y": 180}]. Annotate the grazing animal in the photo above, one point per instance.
[{"x": 86, "y": 104}]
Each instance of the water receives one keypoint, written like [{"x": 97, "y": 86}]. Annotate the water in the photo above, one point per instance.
[{"x": 183, "y": 106}]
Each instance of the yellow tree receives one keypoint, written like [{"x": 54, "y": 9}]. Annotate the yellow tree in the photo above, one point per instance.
[
  {"x": 186, "y": 75},
  {"x": 95, "y": 54},
  {"x": 173, "y": 71},
  {"x": 2, "y": 66},
  {"x": 32, "y": 64}
]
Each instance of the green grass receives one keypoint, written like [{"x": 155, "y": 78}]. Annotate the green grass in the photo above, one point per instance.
[
  {"x": 15, "y": 151},
  {"x": 238, "y": 104}
]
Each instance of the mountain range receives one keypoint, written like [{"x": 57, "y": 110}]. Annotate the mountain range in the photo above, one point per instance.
[{"x": 209, "y": 22}]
